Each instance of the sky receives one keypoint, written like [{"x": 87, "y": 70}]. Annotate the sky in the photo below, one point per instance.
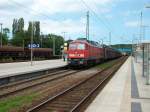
[{"x": 120, "y": 17}]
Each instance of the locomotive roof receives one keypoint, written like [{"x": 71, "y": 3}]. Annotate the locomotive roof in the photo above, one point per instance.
[
  {"x": 94, "y": 43},
  {"x": 106, "y": 46},
  {"x": 88, "y": 42}
]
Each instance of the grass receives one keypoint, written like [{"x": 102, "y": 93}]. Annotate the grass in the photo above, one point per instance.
[
  {"x": 106, "y": 65},
  {"x": 6, "y": 59},
  {"x": 16, "y": 102}
]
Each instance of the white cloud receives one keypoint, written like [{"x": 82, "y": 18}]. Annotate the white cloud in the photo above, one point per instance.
[
  {"x": 131, "y": 13},
  {"x": 55, "y": 6},
  {"x": 132, "y": 23},
  {"x": 43, "y": 10},
  {"x": 109, "y": 16},
  {"x": 63, "y": 6},
  {"x": 66, "y": 25}
]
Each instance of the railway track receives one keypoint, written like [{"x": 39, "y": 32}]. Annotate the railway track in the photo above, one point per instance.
[
  {"x": 19, "y": 86},
  {"x": 72, "y": 98}
]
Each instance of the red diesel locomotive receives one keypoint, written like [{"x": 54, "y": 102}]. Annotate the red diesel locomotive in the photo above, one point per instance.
[{"x": 83, "y": 52}]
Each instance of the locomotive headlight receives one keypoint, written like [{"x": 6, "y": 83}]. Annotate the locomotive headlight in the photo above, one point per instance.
[
  {"x": 78, "y": 55},
  {"x": 81, "y": 55},
  {"x": 71, "y": 55}
]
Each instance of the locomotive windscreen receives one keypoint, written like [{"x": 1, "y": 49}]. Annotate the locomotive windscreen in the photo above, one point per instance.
[{"x": 78, "y": 46}]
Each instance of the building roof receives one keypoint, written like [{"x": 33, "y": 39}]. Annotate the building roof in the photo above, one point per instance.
[{"x": 145, "y": 42}]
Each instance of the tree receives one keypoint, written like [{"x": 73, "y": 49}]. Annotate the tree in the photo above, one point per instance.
[
  {"x": 21, "y": 25},
  {"x": 18, "y": 32},
  {"x": 30, "y": 29},
  {"x": 14, "y": 27},
  {"x": 6, "y": 31},
  {"x": 37, "y": 32},
  {"x": 48, "y": 42},
  {"x": 59, "y": 41},
  {"x": 5, "y": 36},
  {"x": 22, "y": 37}
]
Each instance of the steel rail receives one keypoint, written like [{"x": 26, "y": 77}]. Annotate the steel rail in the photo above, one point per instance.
[
  {"x": 30, "y": 86},
  {"x": 37, "y": 107}
]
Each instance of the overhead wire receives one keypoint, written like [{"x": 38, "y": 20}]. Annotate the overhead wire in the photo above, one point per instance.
[
  {"x": 26, "y": 9},
  {"x": 107, "y": 24},
  {"x": 91, "y": 10}
]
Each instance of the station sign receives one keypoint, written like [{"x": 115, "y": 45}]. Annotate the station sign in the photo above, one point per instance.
[{"x": 34, "y": 45}]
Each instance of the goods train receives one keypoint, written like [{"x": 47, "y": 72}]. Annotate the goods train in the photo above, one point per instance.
[
  {"x": 24, "y": 53},
  {"x": 84, "y": 52}
]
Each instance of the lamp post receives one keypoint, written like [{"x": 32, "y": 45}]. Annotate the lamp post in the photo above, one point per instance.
[
  {"x": 41, "y": 39},
  {"x": 110, "y": 39},
  {"x": 32, "y": 43},
  {"x": 64, "y": 35},
  {"x": 147, "y": 47},
  {"x": 1, "y": 35},
  {"x": 53, "y": 46},
  {"x": 141, "y": 25}
]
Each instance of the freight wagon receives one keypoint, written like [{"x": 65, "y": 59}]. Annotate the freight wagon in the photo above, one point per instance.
[{"x": 17, "y": 53}]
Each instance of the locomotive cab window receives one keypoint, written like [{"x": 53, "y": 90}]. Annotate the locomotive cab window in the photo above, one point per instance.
[
  {"x": 81, "y": 46},
  {"x": 72, "y": 46},
  {"x": 77, "y": 46}
]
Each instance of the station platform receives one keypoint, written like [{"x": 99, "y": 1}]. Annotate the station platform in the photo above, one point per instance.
[
  {"x": 17, "y": 68},
  {"x": 125, "y": 92}
]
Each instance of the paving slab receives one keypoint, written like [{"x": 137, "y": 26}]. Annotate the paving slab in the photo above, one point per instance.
[
  {"x": 143, "y": 89},
  {"x": 17, "y": 68},
  {"x": 110, "y": 98},
  {"x": 126, "y": 92}
]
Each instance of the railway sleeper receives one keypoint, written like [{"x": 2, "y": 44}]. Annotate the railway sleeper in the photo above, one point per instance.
[
  {"x": 64, "y": 102},
  {"x": 60, "y": 105},
  {"x": 85, "y": 89},
  {"x": 79, "y": 93},
  {"x": 73, "y": 100},
  {"x": 54, "y": 108},
  {"x": 75, "y": 96}
]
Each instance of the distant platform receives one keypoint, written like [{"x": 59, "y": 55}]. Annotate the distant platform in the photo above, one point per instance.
[
  {"x": 126, "y": 91},
  {"x": 17, "y": 68}
]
